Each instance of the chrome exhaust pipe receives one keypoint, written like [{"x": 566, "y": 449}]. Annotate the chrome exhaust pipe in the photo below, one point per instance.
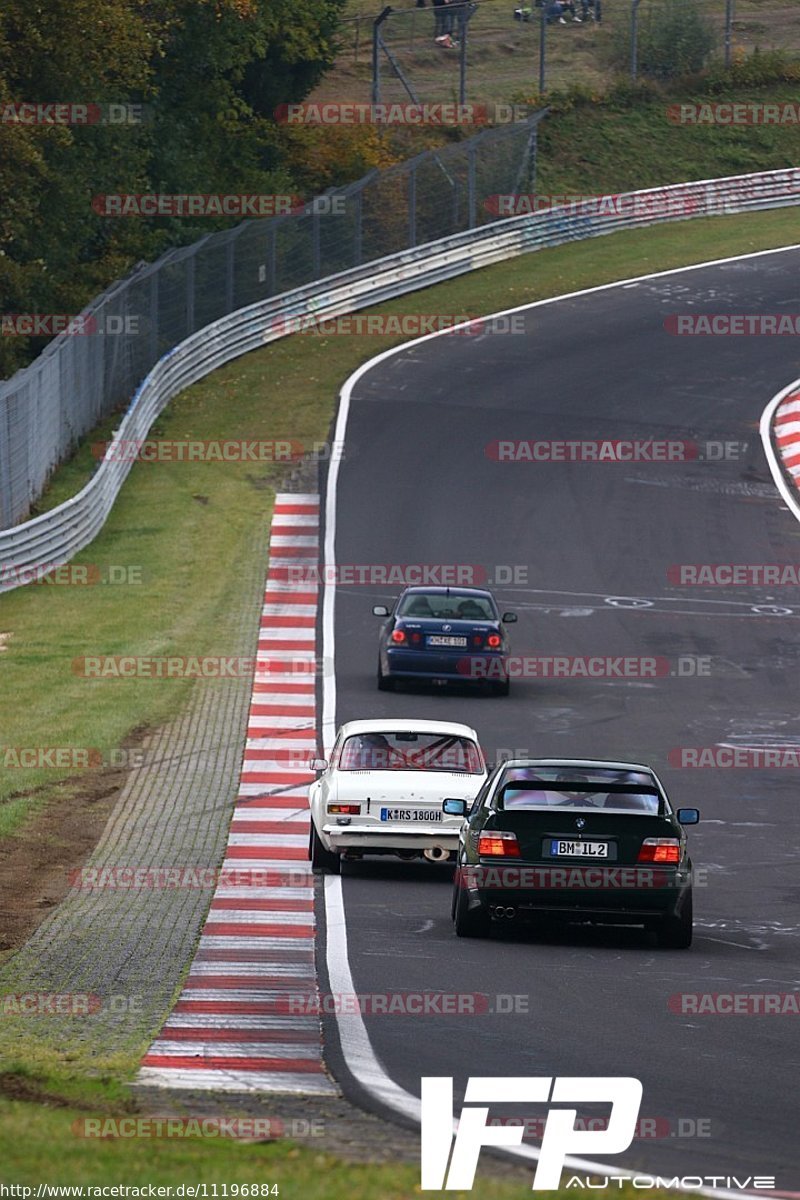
[
  {"x": 436, "y": 853},
  {"x": 499, "y": 911},
  {"x": 511, "y": 913}
]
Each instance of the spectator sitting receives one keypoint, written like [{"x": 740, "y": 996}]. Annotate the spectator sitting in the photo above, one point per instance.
[
  {"x": 557, "y": 8},
  {"x": 592, "y": 10}
]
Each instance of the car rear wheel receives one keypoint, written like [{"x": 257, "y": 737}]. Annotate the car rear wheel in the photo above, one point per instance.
[
  {"x": 385, "y": 684},
  {"x": 323, "y": 862},
  {"x": 675, "y": 933},
  {"x": 474, "y": 923}
]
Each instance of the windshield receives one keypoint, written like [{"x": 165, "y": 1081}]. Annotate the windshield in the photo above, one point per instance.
[
  {"x": 442, "y": 607},
  {"x": 561, "y": 787},
  {"x": 410, "y": 751}
]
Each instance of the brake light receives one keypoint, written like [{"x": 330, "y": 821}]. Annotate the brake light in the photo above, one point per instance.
[
  {"x": 498, "y": 844},
  {"x": 350, "y": 810},
  {"x": 493, "y": 640},
  {"x": 660, "y": 850},
  {"x": 398, "y": 636}
]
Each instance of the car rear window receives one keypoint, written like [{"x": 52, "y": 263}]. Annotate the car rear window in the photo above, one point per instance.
[
  {"x": 447, "y": 608},
  {"x": 518, "y": 796},
  {"x": 410, "y": 751},
  {"x": 556, "y": 786}
]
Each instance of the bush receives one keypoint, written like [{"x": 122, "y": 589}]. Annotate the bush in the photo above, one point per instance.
[{"x": 675, "y": 38}]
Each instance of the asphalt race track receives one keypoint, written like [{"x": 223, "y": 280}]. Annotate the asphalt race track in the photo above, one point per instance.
[{"x": 416, "y": 486}]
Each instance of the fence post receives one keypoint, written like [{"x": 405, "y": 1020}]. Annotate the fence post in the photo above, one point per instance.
[
  {"x": 190, "y": 274},
  {"x": 230, "y": 272},
  {"x": 728, "y": 31},
  {"x": 471, "y": 186},
  {"x": 315, "y": 242},
  {"x": 634, "y": 39},
  {"x": 376, "y": 55},
  {"x": 154, "y": 355},
  {"x": 542, "y": 46},
  {"x": 412, "y": 206}
]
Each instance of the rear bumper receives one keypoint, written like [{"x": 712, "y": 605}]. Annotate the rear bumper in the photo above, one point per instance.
[
  {"x": 606, "y": 894},
  {"x": 379, "y": 837},
  {"x": 457, "y": 665}
]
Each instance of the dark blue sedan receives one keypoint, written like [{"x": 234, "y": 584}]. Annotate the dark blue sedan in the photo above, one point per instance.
[{"x": 444, "y": 634}]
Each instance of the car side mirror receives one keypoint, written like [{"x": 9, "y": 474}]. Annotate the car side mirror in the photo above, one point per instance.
[
  {"x": 318, "y": 764},
  {"x": 454, "y": 808},
  {"x": 688, "y": 816},
  {"x": 380, "y": 610},
  {"x": 509, "y": 618}
]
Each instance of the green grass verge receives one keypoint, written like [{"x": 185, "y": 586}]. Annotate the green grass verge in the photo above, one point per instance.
[
  {"x": 44, "y": 1145},
  {"x": 186, "y": 526}
]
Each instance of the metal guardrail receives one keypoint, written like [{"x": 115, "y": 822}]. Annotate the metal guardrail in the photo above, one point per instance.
[{"x": 55, "y": 537}]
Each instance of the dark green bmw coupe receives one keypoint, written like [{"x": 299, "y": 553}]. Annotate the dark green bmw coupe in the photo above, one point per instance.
[{"x": 574, "y": 840}]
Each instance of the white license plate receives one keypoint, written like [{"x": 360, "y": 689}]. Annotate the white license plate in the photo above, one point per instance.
[
  {"x": 428, "y": 815},
  {"x": 437, "y": 639},
  {"x": 579, "y": 849}
]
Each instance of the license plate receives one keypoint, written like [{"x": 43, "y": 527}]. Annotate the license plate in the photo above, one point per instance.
[
  {"x": 428, "y": 815},
  {"x": 437, "y": 639},
  {"x": 579, "y": 849}
]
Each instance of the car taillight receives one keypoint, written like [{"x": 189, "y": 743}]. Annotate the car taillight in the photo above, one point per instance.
[
  {"x": 660, "y": 850},
  {"x": 494, "y": 640},
  {"x": 351, "y": 810},
  {"x": 398, "y": 636},
  {"x": 498, "y": 844}
]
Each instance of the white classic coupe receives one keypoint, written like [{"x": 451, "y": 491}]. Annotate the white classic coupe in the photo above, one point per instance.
[{"x": 382, "y": 790}]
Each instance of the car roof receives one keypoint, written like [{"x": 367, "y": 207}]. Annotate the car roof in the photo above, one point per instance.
[
  {"x": 586, "y": 763},
  {"x": 447, "y": 591},
  {"x": 404, "y": 725}
]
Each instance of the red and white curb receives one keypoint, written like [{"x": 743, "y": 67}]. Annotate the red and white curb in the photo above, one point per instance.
[
  {"x": 246, "y": 1018},
  {"x": 786, "y": 428}
]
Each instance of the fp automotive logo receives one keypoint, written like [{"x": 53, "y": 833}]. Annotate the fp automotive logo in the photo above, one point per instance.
[{"x": 455, "y": 1158}]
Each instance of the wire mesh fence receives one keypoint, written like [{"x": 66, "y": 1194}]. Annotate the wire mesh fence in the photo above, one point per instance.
[
  {"x": 81, "y": 378},
  {"x": 498, "y": 51}
]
